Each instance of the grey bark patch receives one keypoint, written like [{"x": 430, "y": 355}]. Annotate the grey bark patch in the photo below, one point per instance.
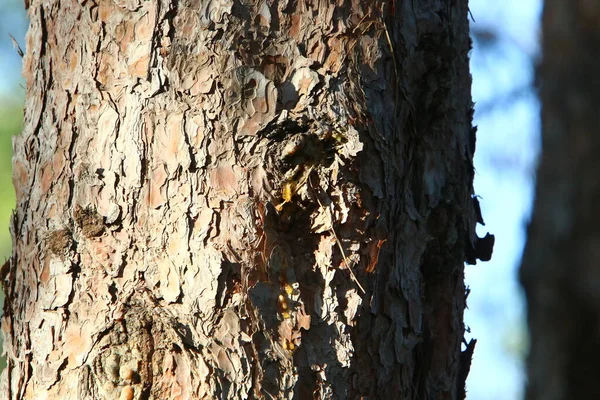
[
  {"x": 89, "y": 221},
  {"x": 60, "y": 241}
]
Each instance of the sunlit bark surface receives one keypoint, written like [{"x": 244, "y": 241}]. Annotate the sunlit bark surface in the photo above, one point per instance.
[
  {"x": 560, "y": 270},
  {"x": 241, "y": 199}
]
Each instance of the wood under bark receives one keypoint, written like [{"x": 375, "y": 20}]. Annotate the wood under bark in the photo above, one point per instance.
[
  {"x": 242, "y": 199},
  {"x": 560, "y": 271}
]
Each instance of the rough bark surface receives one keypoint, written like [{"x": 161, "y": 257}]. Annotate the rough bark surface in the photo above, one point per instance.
[
  {"x": 242, "y": 199},
  {"x": 560, "y": 271}
]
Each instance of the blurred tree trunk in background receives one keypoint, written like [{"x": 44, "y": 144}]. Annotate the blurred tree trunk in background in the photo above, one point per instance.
[
  {"x": 561, "y": 264},
  {"x": 238, "y": 199}
]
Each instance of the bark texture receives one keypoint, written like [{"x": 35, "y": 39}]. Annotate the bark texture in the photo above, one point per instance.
[
  {"x": 560, "y": 266},
  {"x": 242, "y": 199}
]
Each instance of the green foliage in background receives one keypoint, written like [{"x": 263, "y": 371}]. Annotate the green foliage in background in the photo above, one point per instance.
[
  {"x": 11, "y": 117},
  {"x": 13, "y": 22}
]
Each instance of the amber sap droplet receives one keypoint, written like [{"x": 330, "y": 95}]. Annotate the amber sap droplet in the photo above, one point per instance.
[
  {"x": 287, "y": 192},
  {"x": 288, "y": 345},
  {"x": 283, "y": 307},
  {"x": 127, "y": 393},
  {"x": 282, "y": 302},
  {"x": 288, "y": 289}
]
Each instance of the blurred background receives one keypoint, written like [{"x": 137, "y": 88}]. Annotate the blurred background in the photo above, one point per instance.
[
  {"x": 506, "y": 48},
  {"x": 505, "y": 52},
  {"x": 13, "y": 21}
]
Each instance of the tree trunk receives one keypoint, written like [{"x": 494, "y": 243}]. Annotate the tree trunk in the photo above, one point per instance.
[
  {"x": 242, "y": 199},
  {"x": 560, "y": 271}
]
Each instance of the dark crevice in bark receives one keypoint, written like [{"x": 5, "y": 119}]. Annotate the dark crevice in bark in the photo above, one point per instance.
[
  {"x": 421, "y": 374},
  {"x": 60, "y": 370},
  {"x": 152, "y": 335},
  {"x": 193, "y": 168},
  {"x": 277, "y": 131}
]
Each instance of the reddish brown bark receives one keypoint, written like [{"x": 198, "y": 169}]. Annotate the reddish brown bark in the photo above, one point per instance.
[{"x": 233, "y": 199}]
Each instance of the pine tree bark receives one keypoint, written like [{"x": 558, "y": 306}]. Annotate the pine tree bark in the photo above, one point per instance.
[
  {"x": 242, "y": 199},
  {"x": 560, "y": 264}
]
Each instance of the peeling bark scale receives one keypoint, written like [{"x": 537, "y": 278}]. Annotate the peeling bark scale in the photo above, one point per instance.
[{"x": 242, "y": 199}]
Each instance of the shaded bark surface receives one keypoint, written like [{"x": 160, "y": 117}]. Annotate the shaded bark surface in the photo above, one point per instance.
[
  {"x": 239, "y": 199},
  {"x": 560, "y": 271}
]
